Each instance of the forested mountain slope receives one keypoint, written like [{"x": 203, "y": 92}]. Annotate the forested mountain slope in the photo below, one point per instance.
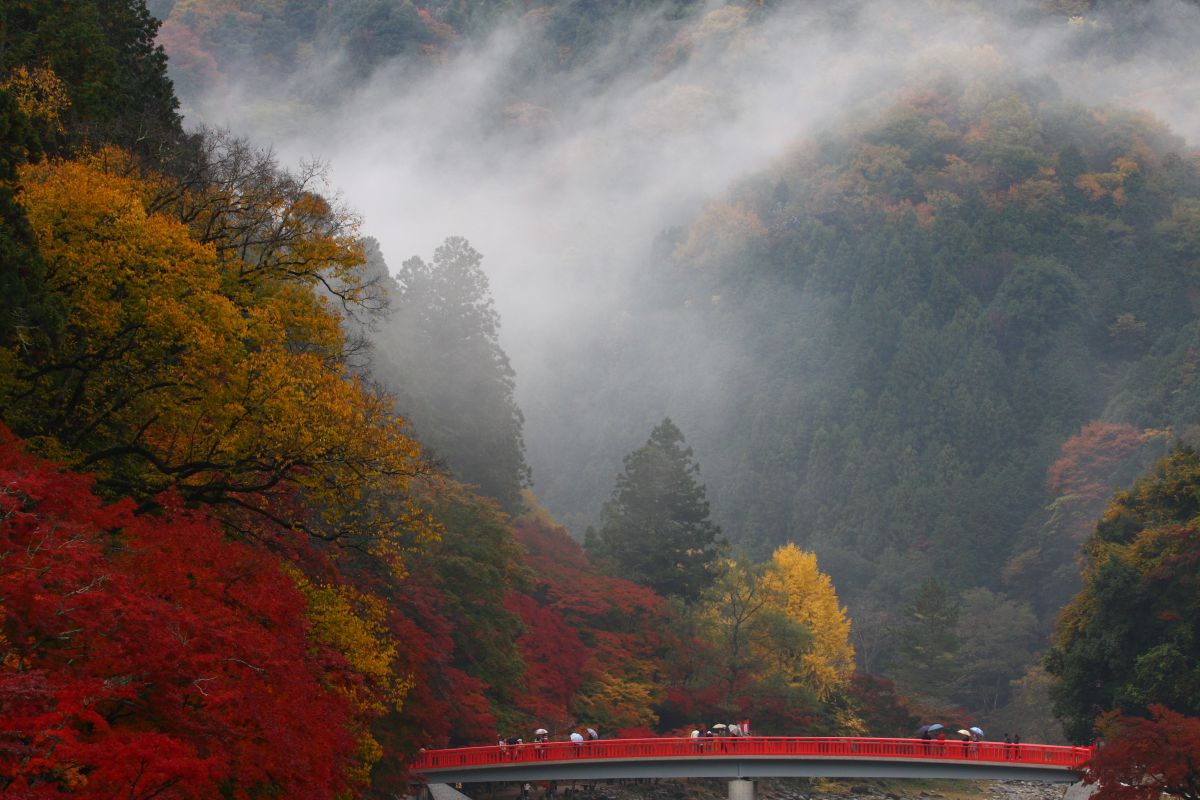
[
  {"x": 924, "y": 307},
  {"x": 941, "y": 312}
]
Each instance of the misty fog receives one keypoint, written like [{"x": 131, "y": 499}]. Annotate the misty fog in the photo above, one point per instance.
[{"x": 565, "y": 184}]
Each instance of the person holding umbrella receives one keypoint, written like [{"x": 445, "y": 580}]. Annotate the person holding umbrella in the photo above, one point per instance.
[
  {"x": 719, "y": 732},
  {"x": 965, "y": 738}
]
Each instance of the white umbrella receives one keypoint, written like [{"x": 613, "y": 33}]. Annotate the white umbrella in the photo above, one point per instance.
[
  {"x": 720, "y": 726},
  {"x": 577, "y": 737},
  {"x": 964, "y": 732},
  {"x": 541, "y": 731},
  {"x": 592, "y": 733}
]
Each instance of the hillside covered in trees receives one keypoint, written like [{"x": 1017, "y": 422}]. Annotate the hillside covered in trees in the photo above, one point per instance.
[{"x": 830, "y": 373}]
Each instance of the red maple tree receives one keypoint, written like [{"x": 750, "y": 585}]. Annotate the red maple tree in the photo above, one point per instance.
[
  {"x": 150, "y": 656},
  {"x": 1142, "y": 759}
]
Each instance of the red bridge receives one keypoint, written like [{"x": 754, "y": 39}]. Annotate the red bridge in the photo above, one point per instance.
[{"x": 754, "y": 757}]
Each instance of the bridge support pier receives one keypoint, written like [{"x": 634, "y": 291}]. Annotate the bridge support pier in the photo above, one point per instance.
[{"x": 742, "y": 789}]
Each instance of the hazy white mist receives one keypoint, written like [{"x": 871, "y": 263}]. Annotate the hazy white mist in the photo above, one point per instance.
[{"x": 564, "y": 185}]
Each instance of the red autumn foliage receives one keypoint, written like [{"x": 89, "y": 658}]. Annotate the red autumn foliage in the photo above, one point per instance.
[
  {"x": 1142, "y": 759},
  {"x": 554, "y": 659},
  {"x": 587, "y": 599},
  {"x": 446, "y": 705},
  {"x": 148, "y": 656},
  {"x": 1091, "y": 458},
  {"x": 581, "y": 626},
  {"x": 883, "y": 711}
]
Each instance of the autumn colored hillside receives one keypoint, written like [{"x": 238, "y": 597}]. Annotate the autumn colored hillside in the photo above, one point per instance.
[
  {"x": 837, "y": 444},
  {"x": 227, "y": 566}
]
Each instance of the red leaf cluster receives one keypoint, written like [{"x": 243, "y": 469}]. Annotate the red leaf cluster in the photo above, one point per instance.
[
  {"x": 148, "y": 656},
  {"x": 1142, "y": 759}
]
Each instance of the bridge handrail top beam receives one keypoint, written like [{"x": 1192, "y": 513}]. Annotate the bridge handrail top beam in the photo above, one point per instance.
[{"x": 757, "y": 747}]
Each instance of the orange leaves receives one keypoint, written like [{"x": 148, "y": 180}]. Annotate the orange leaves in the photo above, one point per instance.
[
  {"x": 721, "y": 229},
  {"x": 184, "y": 364},
  {"x": 1098, "y": 185}
]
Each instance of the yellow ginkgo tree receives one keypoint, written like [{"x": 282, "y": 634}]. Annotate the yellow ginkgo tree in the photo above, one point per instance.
[{"x": 807, "y": 596}]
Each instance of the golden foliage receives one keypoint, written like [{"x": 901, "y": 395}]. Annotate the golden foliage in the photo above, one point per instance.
[
  {"x": 806, "y": 595},
  {"x": 214, "y": 369},
  {"x": 1098, "y": 185},
  {"x": 620, "y": 701},
  {"x": 40, "y": 94},
  {"x": 355, "y": 623}
]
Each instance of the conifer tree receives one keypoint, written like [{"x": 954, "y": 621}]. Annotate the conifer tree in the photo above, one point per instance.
[
  {"x": 453, "y": 380},
  {"x": 926, "y": 662},
  {"x": 655, "y": 528}
]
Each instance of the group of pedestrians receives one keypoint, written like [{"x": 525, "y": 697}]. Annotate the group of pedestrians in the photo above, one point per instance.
[
  {"x": 721, "y": 729},
  {"x": 968, "y": 742},
  {"x": 509, "y": 747},
  {"x": 721, "y": 733}
]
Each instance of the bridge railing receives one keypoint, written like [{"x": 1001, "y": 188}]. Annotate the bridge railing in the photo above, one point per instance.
[{"x": 842, "y": 747}]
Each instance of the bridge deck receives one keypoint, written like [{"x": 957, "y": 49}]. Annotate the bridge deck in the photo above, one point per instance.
[{"x": 754, "y": 757}]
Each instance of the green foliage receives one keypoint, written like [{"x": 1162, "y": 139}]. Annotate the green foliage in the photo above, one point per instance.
[
  {"x": 997, "y": 638},
  {"x": 1131, "y": 637},
  {"x": 474, "y": 565},
  {"x": 927, "y": 664},
  {"x": 105, "y": 52},
  {"x": 452, "y": 379},
  {"x": 656, "y": 529},
  {"x": 29, "y": 316}
]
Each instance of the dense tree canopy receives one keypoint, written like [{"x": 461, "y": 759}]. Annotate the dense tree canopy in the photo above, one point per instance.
[
  {"x": 1130, "y": 638},
  {"x": 453, "y": 381},
  {"x": 1146, "y": 758},
  {"x": 113, "y": 71},
  {"x": 183, "y": 364},
  {"x": 942, "y": 334},
  {"x": 119, "y": 678},
  {"x": 656, "y": 528}
]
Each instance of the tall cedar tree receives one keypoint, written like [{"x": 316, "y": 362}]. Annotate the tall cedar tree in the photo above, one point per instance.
[
  {"x": 656, "y": 529},
  {"x": 929, "y": 645},
  {"x": 105, "y": 53},
  {"x": 1131, "y": 637},
  {"x": 453, "y": 380}
]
